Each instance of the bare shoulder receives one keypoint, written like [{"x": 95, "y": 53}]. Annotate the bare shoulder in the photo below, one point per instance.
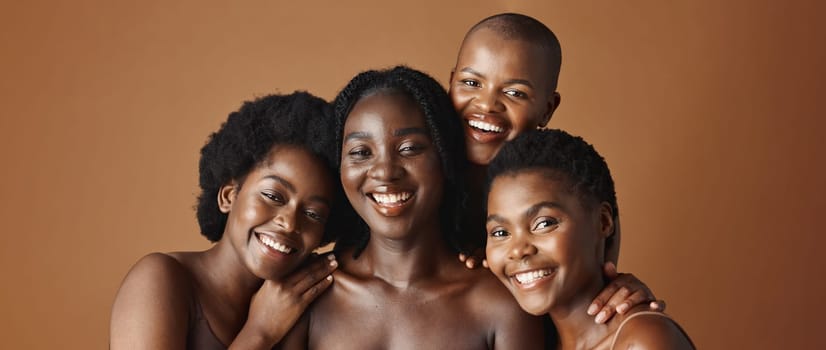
[
  {"x": 513, "y": 327},
  {"x": 487, "y": 289},
  {"x": 151, "y": 308},
  {"x": 652, "y": 330}
]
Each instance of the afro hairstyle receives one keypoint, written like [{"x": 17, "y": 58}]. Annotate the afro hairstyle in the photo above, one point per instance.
[{"x": 247, "y": 137}]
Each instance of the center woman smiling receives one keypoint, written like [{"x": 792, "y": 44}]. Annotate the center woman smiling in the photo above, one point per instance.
[
  {"x": 389, "y": 168},
  {"x": 399, "y": 285}
]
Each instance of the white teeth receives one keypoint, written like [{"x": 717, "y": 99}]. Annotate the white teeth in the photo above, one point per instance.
[
  {"x": 275, "y": 245},
  {"x": 391, "y": 198},
  {"x": 530, "y": 276},
  {"x": 485, "y": 126}
]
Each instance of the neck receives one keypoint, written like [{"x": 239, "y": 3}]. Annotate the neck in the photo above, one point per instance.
[
  {"x": 576, "y": 328},
  {"x": 227, "y": 276},
  {"x": 402, "y": 262}
]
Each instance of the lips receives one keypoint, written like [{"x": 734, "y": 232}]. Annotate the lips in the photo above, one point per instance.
[
  {"x": 531, "y": 278},
  {"x": 275, "y": 244},
  {"x": 484, "y": 128},
  {"x": 390, "y": 201}
]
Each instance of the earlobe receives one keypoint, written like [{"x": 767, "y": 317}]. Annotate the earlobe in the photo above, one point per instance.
[
  {"x": 226, "y": 195},
  {"x": 553, "y": 103}
]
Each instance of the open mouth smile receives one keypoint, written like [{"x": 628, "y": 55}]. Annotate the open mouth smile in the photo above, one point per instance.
[
  {"x": 529, "y": 278},
  {"x": 390, "y": 199},
  {"x": 485, "y": 127},
  {"x": 275, "y": 245}
]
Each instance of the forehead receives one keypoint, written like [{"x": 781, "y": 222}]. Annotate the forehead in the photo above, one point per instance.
[
  {"x": 297, "y": 165},
  {"x": 487, "y": 50},
  {"x": 384, "y": 110},
  {"x": 527, "y": 187}
]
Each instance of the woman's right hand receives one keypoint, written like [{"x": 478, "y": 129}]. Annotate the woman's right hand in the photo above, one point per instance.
[{"x": 276, "y": 306}]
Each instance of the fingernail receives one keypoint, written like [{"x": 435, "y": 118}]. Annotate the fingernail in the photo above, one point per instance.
[
  {"x": 333, "y": 263},
  {"x": 593, "y": 309},
  {"x": 601, "y": 317},
  {"x": 330, "y": 277},
  {"x": 622, "y": 308},
  {"x": 331, "y": 257}
]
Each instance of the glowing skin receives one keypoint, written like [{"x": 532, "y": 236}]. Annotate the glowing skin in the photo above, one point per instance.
[
  {"x": 277, "y": 215},
  {"x": 544, "y": 244},
  {"x": 389, "y": 167},
  {"x": 500, "y": 88}
]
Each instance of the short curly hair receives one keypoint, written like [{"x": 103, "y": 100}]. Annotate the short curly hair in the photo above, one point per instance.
[
  {"x": 445, "y": 132},
  {"x": 247, "y": 137},
  {"x": 562, "y": 154}
]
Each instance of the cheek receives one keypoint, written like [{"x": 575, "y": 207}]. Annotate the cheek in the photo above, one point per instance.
[{"x": 350, "y": 177}]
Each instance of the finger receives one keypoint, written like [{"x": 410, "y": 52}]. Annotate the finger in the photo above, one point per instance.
[
  {"x": 657, "y": 305},
  {"x": 304, "y": 278},
  {"x": 313, "y": 292},
  {"x": 462, "y": 257},
  {"x": 485, "y": 263},
  {"x": 611, "y": 305},
  {"x": 610, "y": 270},
  {"x": 470, "y": 262},
  {"x": 637, "y": 298},
  {"x": 603, "y": 297}
]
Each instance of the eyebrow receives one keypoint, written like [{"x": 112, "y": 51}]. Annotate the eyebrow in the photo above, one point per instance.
[
  {"x": 291, "y": 188},
  {"x": 357, "y": 135},
  {"x": 507, "y": 82},
  {"x": 280, "y": 180},
  {"x": 538, "y": 206},
  {"x": 528, "y": 213}
]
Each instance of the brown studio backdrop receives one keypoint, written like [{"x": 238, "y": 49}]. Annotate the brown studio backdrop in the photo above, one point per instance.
[{"x": 708, "y": 113}]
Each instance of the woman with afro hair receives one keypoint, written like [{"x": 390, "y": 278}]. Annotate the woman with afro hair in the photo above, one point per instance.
[{"x": 267, "y": 193}]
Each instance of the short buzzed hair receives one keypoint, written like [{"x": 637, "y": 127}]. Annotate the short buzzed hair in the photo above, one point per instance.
[{"x": 515, "y": 26}]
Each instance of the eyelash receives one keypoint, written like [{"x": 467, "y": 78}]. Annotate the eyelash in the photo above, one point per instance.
[
  {"x": 470, "y": 82},
  {"x": 516, "y": 93},
  {"x": 548, "y": 221},
  {"x": 315, "y": 216},
  {"x": 359, "y": 153},
  {"x": 511, "y": 93},
  {"x": 274, "y": 197},
  {"x": 498, "y": 233}
]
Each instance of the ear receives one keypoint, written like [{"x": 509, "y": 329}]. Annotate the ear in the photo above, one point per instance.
[
  {"x": 450, "y": 80},
  {"x": 553, "y": 103},
  {"x": 226, "y": 196},
  {"x": 606, "y": 220}
]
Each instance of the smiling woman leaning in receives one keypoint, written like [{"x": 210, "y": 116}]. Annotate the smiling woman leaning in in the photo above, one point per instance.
[
  {"x": 551, "y": 212},
  {"x": 266, "y": 193}
]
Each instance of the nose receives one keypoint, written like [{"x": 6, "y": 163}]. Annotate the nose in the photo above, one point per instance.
[
  {"x": 521, "y": 247},
  {"x": 487, "y": 100},
  {"x": 285, "y": 218},
  {"x": 385, "y": 168}
]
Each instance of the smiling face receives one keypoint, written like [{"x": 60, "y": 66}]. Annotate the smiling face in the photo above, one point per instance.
[
  {"x": 276, "y": 216},
  {"x": 543, "y": 243},
  {"x": 500, "y": 88},
  {"x": 390, "y": 170}
]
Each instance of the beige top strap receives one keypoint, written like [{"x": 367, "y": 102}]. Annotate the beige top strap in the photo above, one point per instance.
[{"x": 616, "y": 335}]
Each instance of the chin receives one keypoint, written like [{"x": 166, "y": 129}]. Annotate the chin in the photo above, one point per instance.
[{"x": 536, "y": 309}]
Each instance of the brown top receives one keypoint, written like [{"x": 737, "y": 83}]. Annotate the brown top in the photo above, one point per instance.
[{"x": 200, "y": 335}]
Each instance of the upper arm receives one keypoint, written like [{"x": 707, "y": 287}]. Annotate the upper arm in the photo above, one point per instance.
[
  {"x": 298, "y": 336},
  {"x": 151, "y": 309},
  {"x": 652, "y": 332}
]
